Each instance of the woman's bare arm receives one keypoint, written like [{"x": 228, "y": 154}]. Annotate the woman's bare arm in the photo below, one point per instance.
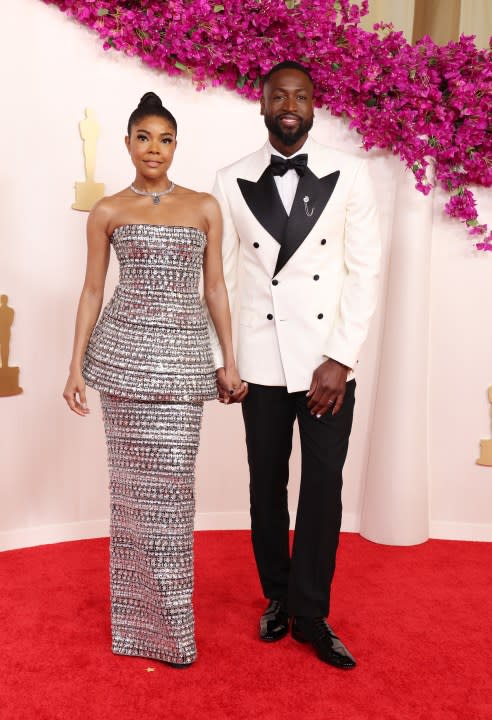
[{"x": 98, "y": 250}]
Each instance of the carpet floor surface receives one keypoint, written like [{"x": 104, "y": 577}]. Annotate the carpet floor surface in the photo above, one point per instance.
[{"x": 418, "y": 620}]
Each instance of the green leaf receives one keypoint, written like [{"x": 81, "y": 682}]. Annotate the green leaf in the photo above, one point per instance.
[
  {"x": 371, "y": 102},
  {"x": 102, "y": 11},
  {"x": 241, "y": 81},
  {"x": 472, "y": 222},
  {"x": 256, "y": 83},
  {"x": 412, "y": 74},
  {"x": 218, "y": 8},
  {"x": 180, "y": 66},
  {"x": 291, "y": 4},
  {"x": 335, "y": 66}
]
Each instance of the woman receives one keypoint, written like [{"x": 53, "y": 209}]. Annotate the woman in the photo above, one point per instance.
[{"x": 150, "y": 358}]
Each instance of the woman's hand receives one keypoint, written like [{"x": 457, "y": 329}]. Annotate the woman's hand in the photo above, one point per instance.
[
  {"x": 74, "y": 393},
  {"x": 230, "y": 386}
]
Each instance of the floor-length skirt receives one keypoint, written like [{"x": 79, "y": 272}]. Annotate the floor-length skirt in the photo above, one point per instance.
[{"x": 152, "y": 449}]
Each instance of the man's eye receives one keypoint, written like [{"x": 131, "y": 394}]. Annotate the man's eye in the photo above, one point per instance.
[{"x": 301, "y": 97}]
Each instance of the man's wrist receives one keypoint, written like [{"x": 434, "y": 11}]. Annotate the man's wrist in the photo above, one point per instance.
[{"x": 337, "y": 362}]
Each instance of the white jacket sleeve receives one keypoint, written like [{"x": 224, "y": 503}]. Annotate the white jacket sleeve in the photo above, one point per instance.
[{"x": 362, "y": 253}]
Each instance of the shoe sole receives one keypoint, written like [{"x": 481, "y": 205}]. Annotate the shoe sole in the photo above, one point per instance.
[{"x": 274, "y": 639}]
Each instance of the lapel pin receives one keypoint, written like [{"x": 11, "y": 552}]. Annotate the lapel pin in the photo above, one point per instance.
[{"x": 307, "y": 210}]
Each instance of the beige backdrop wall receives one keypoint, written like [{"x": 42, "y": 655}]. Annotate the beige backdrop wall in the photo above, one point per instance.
[{"x": 53, "y": 472}]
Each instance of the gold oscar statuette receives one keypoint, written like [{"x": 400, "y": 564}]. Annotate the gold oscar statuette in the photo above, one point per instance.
[
  {"x": 486, "y": 445},
  {"x": 89, "y": 192},
  {"x": 9, "y": 376}
]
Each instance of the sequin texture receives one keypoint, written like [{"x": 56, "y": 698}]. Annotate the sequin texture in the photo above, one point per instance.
[
  {"x": 152, "y": 340},
  {"x": 150, "y": 358},
  {"x": 152, "y": 449}
]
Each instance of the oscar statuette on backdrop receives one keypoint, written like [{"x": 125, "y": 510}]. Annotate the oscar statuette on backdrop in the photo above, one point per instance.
[
  {"x": 9, "y": 376},
  {"x": 486, "y": 445},
  {"x": 87, "y": 193}
]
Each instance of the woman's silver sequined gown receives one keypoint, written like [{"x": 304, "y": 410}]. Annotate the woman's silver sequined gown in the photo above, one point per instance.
[{"x": 150, "y": 358}]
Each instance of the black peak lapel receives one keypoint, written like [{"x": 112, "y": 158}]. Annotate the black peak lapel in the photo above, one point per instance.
[
  {"x": 264, "y": 202},
  {"x": 300, "y": 223}
]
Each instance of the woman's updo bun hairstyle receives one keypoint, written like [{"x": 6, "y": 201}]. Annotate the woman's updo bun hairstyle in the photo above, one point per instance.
[{"x": 151, "y": 104}]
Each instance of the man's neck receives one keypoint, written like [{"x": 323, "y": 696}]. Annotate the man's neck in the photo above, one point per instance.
[{"x": 286, "y": 150}]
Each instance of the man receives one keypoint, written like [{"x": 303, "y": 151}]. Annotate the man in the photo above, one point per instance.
[{"x": 300, "y": 229}]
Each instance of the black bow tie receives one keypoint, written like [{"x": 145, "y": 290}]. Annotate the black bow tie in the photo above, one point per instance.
[{"x": 279, "y": 165}]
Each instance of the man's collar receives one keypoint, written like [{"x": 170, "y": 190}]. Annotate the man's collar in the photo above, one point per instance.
[{"x": 272, "y": 151}]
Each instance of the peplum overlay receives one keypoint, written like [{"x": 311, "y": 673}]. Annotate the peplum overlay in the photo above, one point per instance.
[{"x": 152, "y": 341}]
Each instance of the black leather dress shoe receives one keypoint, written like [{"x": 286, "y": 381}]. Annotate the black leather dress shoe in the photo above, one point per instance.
[
  {"x": 329, "y": 648},
  {"x": 274, "y": 623}
]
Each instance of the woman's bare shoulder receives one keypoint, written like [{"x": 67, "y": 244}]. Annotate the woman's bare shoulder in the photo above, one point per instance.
[
  {"x": 203, "y": 200},
  {"x": 106, "y": 209}
]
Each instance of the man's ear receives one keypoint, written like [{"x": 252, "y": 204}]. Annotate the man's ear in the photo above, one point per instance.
[
  {"x": 127, "y": 142},
  {"x": 262, "y": 105}
]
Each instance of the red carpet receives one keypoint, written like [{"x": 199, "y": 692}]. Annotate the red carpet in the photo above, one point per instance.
[{"x": 417, "y": 619}]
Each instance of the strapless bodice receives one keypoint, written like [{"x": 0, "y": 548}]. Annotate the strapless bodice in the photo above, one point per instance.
[{"x": 152, "y": 339}]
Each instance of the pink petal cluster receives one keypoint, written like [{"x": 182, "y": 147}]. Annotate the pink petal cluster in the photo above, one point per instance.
[{"x": 424, "y": 103}]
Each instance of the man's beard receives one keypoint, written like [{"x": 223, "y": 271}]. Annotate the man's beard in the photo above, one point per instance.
[{"x": 292, "y": 135}]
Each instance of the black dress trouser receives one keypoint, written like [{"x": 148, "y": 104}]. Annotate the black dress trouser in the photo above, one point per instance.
[{"x": 302, "y": 581}]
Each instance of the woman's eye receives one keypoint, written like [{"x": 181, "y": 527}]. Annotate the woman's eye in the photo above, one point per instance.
[
  {"x": 141, "y": 137},
  {"x": 166, "y": 140}
]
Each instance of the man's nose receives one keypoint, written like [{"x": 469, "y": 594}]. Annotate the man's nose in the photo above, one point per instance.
[{"x": 290, "y": 103}]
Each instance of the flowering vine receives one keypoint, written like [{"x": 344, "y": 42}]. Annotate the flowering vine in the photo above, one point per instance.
[{"x": 420, "y": 102}]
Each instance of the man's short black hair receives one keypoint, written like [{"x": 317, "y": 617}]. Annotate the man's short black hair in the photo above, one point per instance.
[{"x": 286, "y": 65}]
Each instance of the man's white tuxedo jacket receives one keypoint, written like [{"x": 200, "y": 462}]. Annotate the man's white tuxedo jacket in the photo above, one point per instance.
[{"x": 305, "y": 284}]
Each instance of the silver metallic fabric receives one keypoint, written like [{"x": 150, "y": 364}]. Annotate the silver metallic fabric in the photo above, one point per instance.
[
  {"x": 150, "y": 358},
  {"x": 152, "y": 340},
  {"x": 151, "y": 455}
]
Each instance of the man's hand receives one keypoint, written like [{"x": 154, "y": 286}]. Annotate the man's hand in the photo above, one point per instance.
[
  {"x": 327, "y": 388},
  {"x": 230, "y": 387}
]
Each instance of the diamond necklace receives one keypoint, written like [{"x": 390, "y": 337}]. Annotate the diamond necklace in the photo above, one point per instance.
[{"x": 156, "y": 196}]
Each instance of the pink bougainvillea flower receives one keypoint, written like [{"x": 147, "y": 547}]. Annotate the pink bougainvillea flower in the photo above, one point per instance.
[{"x": 422, "y": 103}]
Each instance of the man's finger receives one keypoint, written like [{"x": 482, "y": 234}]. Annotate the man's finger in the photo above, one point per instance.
[
  {"x": 338, "y": 404},
  {"x": 242, "y": 392},
  {"x": 312, "y": 387},
  {"x": 318, "y": 398}
]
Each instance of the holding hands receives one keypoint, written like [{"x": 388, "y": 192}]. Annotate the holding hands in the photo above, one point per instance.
[{"x": 230, "y": 387}]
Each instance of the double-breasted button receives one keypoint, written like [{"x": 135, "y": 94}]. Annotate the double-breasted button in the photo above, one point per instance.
[
  {"x": 320, "y": 316},
  {"x": 315, "y": 277},
  {"x": 256, "y": 245},
  {"x": 269, "y": 316},
  {"x": 274, "y": 282},
  {"x": 323, "y": 242}
]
